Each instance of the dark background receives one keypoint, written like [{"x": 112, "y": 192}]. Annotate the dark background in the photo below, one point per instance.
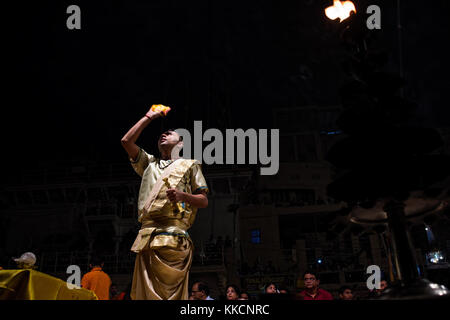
[{"x": 72, "y": 94}]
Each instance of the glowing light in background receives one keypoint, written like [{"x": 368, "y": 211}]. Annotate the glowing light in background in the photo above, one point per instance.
[
  {"x": 435, "y": 257},
  {"x": 340, "y": 9}
]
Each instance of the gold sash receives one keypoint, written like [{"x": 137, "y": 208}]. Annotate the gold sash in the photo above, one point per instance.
[
  {"x": 174, "y": 173},
  {"x": 155, "y": 202}
]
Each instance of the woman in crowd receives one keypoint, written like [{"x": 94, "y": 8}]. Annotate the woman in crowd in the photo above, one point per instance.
[
  {"x": 232, "y": 292},
  {"x": 271, "y": 288}
]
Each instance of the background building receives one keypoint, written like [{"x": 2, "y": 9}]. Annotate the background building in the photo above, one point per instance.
[{"x": 67, "y": 190}]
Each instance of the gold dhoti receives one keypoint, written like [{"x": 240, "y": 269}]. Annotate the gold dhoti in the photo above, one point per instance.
[{"x": 164, "y": 257}]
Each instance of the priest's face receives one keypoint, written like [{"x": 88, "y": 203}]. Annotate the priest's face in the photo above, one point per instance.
[{"x": 168, "y": 140}]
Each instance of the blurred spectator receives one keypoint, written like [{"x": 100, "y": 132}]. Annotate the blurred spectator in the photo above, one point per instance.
[
  {"x": 232, "y": 292},
  {"x": 200, "y": 291},
  {"x": 312, "y": 290},
  {"x": 283, "y": 290},
  {"x": 378, "y": 292},
  {"x": 113, "y": 291},
  {"x": 271, "y": 292},
  {"x": 115, "y": 294},
  {"x": 127, "y": 291},
  {"x": 243, "y": 296},
  {"x": 270, "y": 288},
  {"x": 345, "y": 293},
  {"x": 26, "y": 261},
  {"x": 383, "y": 285},
  {"x": 97, "y": 280},
  {"x": 285, "y": 294}
]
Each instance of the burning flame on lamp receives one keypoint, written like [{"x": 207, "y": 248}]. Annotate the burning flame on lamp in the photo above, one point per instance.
[{"x": 340, "y": 9}]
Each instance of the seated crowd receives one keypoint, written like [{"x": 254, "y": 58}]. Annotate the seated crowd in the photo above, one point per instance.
[
  {"x": 270, "y": 291},
  {"x": 100, "y": 283}
]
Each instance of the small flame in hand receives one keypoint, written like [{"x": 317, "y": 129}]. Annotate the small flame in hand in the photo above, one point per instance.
[{"x": 340, "y": 9}]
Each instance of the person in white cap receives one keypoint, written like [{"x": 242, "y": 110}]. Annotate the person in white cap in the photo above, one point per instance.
[{"x": 26, "y": 261}]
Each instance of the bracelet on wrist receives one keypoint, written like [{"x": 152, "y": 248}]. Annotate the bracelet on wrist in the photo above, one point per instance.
[{"x": 147, "y": 115}]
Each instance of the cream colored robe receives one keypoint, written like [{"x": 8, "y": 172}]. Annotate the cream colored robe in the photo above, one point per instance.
[{"x": 163, "y": 246}]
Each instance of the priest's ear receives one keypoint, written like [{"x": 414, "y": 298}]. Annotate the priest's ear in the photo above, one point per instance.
[{"x": 180, "y": 141}]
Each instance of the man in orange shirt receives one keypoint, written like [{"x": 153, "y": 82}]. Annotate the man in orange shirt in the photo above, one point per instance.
[{"x": 97, "y": 280}]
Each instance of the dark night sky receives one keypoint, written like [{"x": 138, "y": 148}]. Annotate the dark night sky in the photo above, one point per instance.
[{"x": 73, "y": 94}]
